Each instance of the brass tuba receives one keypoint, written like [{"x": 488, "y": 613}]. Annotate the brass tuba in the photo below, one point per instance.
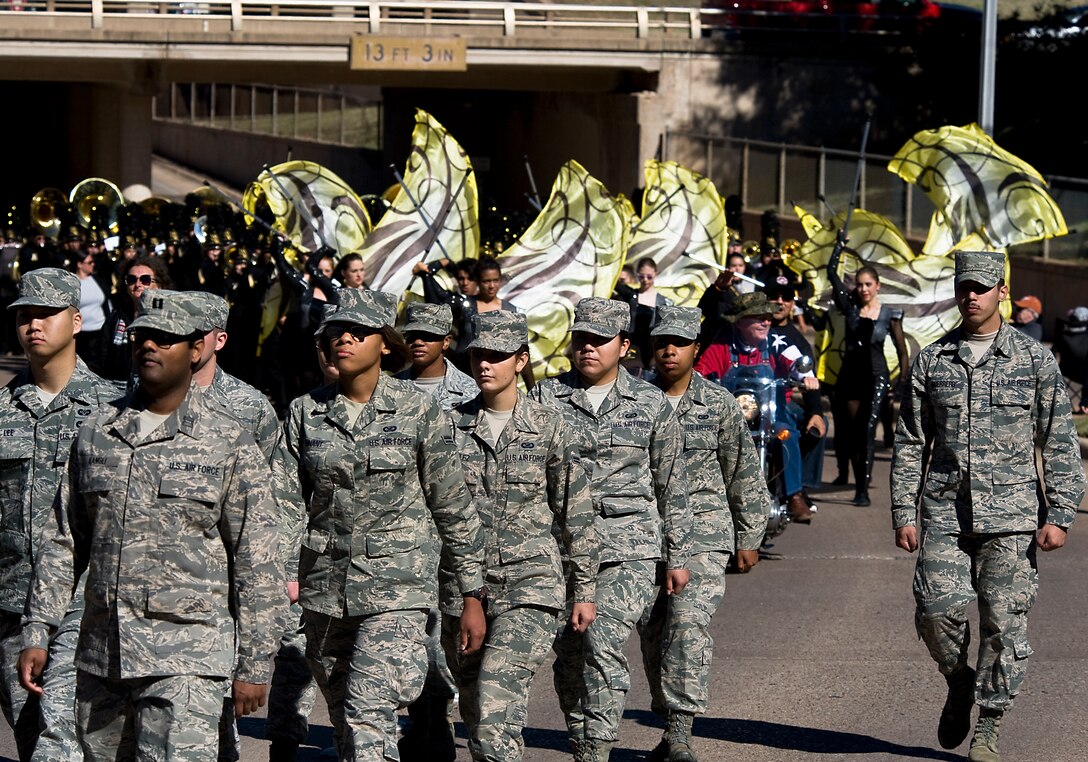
[
  {"x": 45, "y": 210},
  {"x": 96, "y": 193}
]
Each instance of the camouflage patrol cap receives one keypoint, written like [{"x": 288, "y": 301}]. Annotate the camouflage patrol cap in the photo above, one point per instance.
[
  {"x": 750, "y": 305},
  {"x": 602, "y": 317},
  {"x": 500, "y": 331},
  {"x": 212, "y": 310},
  {"x": 436, "y": 319},
  {"x": 361, "y": 306},
  {"x": 678, "y": 321},
  {"x": 984, "y": 267},
  {"x": 48, "y": 287},
  {"x": 174, "y": 312}
]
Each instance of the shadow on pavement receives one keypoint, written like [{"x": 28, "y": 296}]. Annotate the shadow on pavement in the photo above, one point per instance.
[
  {"x": 320, "y": 737},
  {"x": 792, "y": 737}
]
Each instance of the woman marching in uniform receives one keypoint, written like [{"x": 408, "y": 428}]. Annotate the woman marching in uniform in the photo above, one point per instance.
[
  {"x": 524, "y": 478},
  {"x": 361, "y": 468},
  {"x": 729, "y": 503},
  {"x": 863, "y": 377},
  {"x": 623, "y": 427}
]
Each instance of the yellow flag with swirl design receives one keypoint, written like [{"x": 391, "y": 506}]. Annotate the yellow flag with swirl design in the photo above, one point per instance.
[
  {"x": 682, "y": 229},
  {"x": 574, "y": 249},
  {"x": 434, "y": 215},
  {"x": 977, "y": 188},
  {"x": 922, "y": 286},
  {"x": 312, "y": 205}
]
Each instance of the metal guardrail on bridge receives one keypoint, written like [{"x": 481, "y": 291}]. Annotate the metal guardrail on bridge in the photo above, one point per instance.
[
  {"x": 769, "y": 175},
  {"x": 499, "y": 19}
]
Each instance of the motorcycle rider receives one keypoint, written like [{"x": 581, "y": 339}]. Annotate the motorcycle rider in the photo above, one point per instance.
[
  {"x": 747, "y": 344},
  {"x": 730, "y": 505}
]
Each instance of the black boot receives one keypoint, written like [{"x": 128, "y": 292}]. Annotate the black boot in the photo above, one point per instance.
[
  {"x": 282, "y": 750},
  {"x": 955, "y": 721}
]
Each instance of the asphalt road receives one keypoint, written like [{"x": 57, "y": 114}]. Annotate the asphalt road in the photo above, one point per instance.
[{"x": 816, "y": 659}]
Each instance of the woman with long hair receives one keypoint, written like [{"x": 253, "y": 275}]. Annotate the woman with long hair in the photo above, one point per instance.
[{"x": 863, "y": 377}]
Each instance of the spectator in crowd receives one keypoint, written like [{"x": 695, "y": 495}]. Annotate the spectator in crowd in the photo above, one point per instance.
[
  {"x": 1071, "y": 347},
  {"x": 1026, "y": 316},
  {"x": 136, "y": 276},
  {"x": 93, "y": 306}
]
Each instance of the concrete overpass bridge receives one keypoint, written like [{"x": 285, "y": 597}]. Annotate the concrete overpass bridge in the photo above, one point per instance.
[
  {"x": 96, "y": 64},
  {"x": 600, "y": 83}
]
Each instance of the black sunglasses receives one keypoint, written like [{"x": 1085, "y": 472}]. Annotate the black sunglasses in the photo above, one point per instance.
[
  {"x": 161, "y": 339},
  {"x": 143, "y": 280},
  {"x": 357, "y": 331}
]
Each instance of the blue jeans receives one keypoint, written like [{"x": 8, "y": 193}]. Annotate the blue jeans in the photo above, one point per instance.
[{"x": 791, "y": 448}]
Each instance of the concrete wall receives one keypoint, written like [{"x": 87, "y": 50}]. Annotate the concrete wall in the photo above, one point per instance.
[
  {"x": 500, "y": 128},
  {"x": 237, "y": 157},
  {"x": 70, "y": 132}
]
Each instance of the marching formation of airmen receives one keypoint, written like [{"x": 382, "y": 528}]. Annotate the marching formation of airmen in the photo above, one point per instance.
[{"x": 411, "y": 533}]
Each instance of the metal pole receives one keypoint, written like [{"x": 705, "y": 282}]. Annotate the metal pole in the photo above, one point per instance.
[{"x": 988, "y": 67}]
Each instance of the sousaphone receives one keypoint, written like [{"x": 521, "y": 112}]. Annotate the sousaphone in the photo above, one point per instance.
[
  {"x": 45, "y": 210},
  {"x": 96, "y": 193}
]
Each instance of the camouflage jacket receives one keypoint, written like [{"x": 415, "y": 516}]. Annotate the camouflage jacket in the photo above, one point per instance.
[
  {"x": 976, "y": 428},
  {"x": 528, "y": 486},
  {"x": 728, "y": 494},
  {"x": 177, "y": 532},
  {"x": 631, "y": 448},
  {"x": 359, "y": 501},
  {"x": 34, "y": 446},
  {"x": 248, "y": 406},
  {"x": 457, "y": 386}
]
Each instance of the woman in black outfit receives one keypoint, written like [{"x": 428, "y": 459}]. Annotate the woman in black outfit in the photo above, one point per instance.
[{"x": 863, "y": 377}]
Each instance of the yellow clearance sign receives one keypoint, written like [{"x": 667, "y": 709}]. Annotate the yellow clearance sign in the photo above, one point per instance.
[{"x": 384, "y": 53}]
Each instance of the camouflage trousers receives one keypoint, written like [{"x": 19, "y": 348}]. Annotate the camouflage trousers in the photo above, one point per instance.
[
  {"x": 293, "y": 691},
  {"x": 494, "y": 681},
  {"x": 677, "y": 648},
  {"x": 58, "y": 739},
  {"x": 367, "y": 667},
  {"x": 45, "y": 728},
  {"x": 21, "y": 710},
  {"x": 593, "y": 706},
  {"x": 150, "y": 719},
  {"x": 998, "y": 570}
]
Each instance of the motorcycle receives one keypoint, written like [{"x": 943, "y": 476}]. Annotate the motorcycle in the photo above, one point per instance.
[{"x": 759, "y": 393}]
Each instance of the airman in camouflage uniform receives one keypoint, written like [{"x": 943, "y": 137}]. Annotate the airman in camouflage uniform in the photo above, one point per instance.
[
  {"x": 238, "y": 399},
  {"x": 730, "y": 504},
  {"x": 36, "y": 436},
  {"x": 428, "y": 325},
  {"x": 362, "y": 469},
  {"x": 979, "y": 401},
  {"x": 254, "y": 412},
  {"x": 167, "y": 507},
  {"x": 427, "y": 331},
  {"x": 632, "y": 446},
  {"x": 524, "y": 480}
]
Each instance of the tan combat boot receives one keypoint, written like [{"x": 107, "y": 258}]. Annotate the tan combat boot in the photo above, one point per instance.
[
  {"x": 596, "y": 751},
  {"x": 984, "y": 742},
  {"x": 678, "y": 734}
]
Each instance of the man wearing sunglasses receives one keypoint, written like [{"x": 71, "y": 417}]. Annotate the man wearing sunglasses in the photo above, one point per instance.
[
  {"x": 41, "y": 410},
  {"x": 168, "y": 508}
]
